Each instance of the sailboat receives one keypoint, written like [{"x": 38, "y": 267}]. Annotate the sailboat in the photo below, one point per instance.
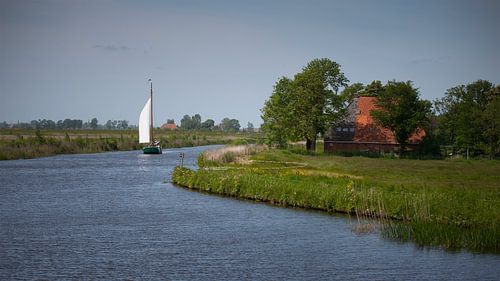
[{"x": 146, "y": 127}]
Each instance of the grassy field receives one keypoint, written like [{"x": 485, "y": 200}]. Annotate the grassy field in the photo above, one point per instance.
[
  {"x": 19, "y": 144},
  {"x": 453, "y": 204}
]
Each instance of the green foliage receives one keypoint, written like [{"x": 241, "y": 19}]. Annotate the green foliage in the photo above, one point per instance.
[
  {"x": 373, "y": 89},
  {"x": 277, "y": 115},
  {"x": 194, "y": 123},
  {"x": 230, "y": 125},
  {"x": 93, "y": 123},
  {"x": 201, "y": 161},
  {"x": 4, "y": 125},
  {"x": 191, "y": 123},
  {"x": 115, "y": 124},
  {"x": 401, "y": 111},
  {"x": 491, "y": 123},
  {"x": 39, "y": 137},
  {"x": 468, "y": 117},
  {"x": 429, "y": 147},
  {"x": 45, "y": 124},
  {"x": 305, "y": 106},
  {"x": 208, "y": 124},
  {"x": 351, "y": 91}
]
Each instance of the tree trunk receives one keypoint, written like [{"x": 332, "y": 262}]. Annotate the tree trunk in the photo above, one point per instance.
[
  {"x": 402, "y": 148},
  {"x": 311, "y": 144},
  {"x": 492, "y": 148},
  {"x": 308, "y": 144}
]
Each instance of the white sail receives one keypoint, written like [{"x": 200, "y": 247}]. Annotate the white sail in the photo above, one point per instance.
[{"x": 144, "y": 123}]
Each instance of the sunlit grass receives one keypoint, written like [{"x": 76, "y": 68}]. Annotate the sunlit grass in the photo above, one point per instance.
[{"x": 449, "y": 204}]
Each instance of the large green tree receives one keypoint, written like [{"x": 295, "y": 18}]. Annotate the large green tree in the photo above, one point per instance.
[
  {"x": 191, "y": 123},
  {"x": 316, "y": 100},
  {"x": 466, "y": 116},
  {"x": 186, "y": 122},
  {"x": 400, "y": 109},
  {"x": 229, "y": 125},
  {"x": 304, "y": 107},
  {"x": 208, "y": 124}
]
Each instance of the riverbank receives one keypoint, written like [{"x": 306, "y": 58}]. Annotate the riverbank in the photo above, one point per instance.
[
  {"x": 24, "y": 144},
  {"x": 449, "y": 204}
]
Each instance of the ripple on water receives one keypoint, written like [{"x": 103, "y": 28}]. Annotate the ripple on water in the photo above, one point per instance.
[{"x": 112, "y": 216}]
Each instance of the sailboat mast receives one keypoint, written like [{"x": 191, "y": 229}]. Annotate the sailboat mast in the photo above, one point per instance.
[{"x": 151, "y": 116}]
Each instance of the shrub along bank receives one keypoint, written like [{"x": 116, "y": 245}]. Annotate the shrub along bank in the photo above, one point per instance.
[{"x": 448, "y": 215}]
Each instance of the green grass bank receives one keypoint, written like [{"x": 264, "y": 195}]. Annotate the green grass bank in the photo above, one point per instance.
[
  {"x": 22, "y": 144},
  {"x": 439, "y": 203}
]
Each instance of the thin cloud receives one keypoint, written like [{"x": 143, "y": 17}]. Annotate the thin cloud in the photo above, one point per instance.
[
  {"x": 430, "y": 60},
  {"x": 113, "y": 48}
]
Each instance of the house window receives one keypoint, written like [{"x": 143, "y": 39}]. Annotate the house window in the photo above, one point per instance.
[
  {"x": 338, "y": 129},
  {"x": 351, "y": 130},
  {"x": 345, "y": 129}
]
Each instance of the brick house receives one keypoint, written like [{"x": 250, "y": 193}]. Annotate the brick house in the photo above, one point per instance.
[{"x": 358, "y": 132}]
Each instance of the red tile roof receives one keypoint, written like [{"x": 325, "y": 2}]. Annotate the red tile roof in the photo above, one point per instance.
[
  {"x": 167, "y": 126},
  {"x": 368, "y": 131}
]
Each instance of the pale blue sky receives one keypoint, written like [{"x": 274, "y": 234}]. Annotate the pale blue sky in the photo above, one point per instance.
[{"x": 84, "y": 59}]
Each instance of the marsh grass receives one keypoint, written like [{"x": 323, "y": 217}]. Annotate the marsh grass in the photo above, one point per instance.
[
  {"x": 19, "y": 144},
  {"x": 454, "y": 206},
  {"x": 229, "y": 154}
]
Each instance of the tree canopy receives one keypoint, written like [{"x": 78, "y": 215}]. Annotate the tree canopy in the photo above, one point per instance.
[
  {"x": 230, "y": 125},
  {"x": 208, "y": 124},
  {"x": 373, "y": 89},
  {"x": 191, "y": 123},
  {"x": 468, "y": 117},
  {"x": 401, "y": 110},
  {"x": 303, "y": 107}
]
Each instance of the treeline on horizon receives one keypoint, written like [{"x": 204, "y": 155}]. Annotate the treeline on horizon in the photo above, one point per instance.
[
  {"x": 187, "y": 123},
  {"x": 227, "y": 124},
  {"x": 47, "y": 124}
]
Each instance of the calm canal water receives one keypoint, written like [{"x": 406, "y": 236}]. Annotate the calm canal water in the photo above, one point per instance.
[{"x": 115, "y": 216}]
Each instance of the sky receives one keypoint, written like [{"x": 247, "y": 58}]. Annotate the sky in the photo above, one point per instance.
[{"x": 84, "y": 59}]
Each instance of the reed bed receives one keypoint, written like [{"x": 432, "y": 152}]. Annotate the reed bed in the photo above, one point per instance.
[
  {"x": 230, "y": 154},
  {"x": 22, "y": 144}
]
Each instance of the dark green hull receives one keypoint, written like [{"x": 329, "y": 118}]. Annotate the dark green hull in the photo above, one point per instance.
[{"x": 152, "y": 150}]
